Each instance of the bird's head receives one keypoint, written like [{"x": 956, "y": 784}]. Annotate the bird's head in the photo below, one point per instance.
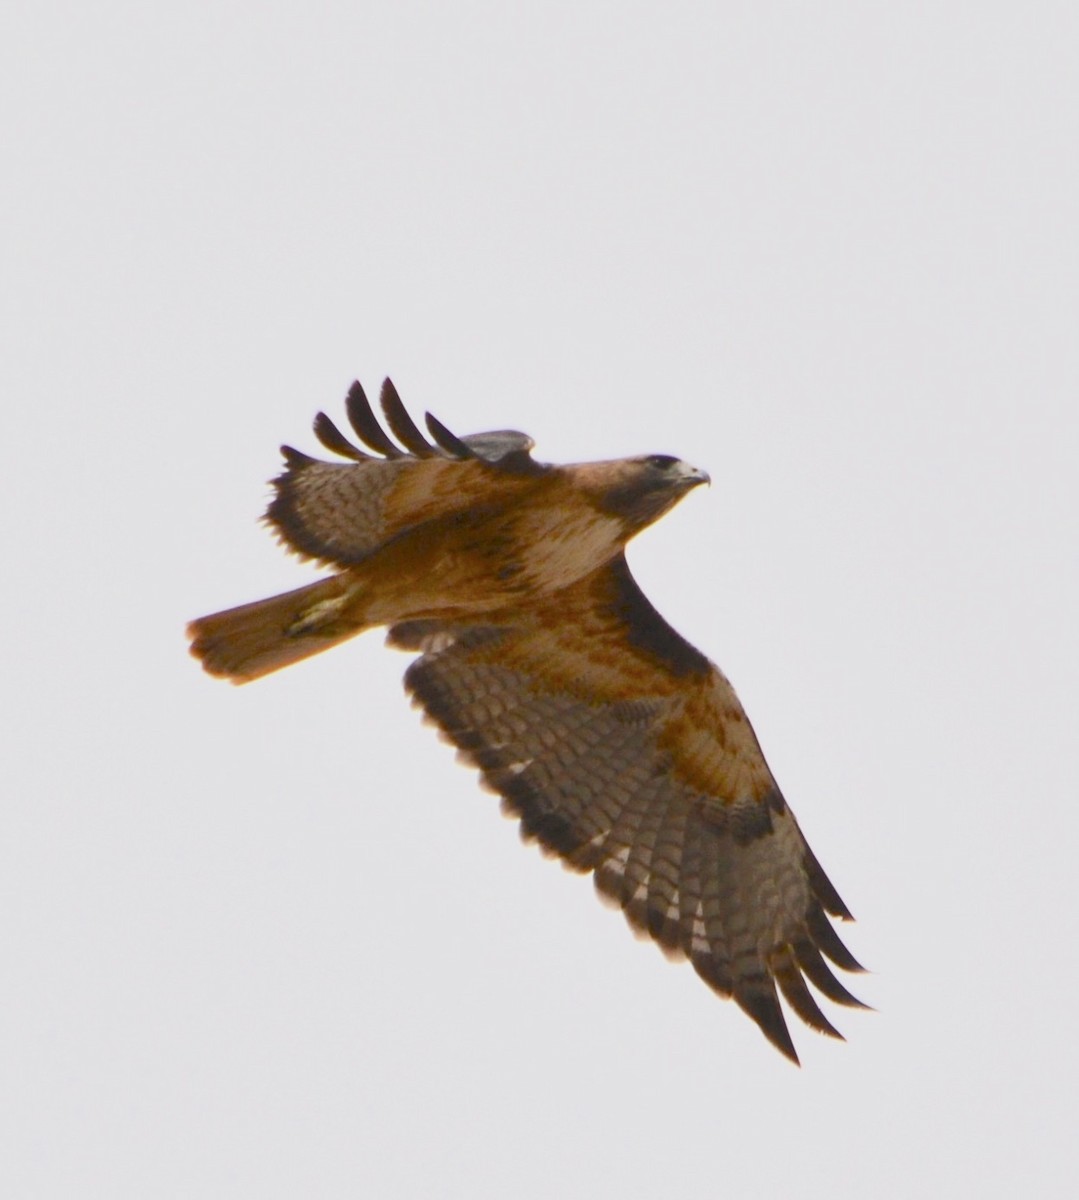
[{"x": 640, "y": 490}]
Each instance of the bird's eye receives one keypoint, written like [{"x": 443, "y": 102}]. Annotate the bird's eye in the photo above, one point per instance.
[{"x": 661, "y": 462}]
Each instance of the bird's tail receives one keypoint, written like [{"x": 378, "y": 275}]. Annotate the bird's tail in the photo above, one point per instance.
[{"x": 248, "y": 642}]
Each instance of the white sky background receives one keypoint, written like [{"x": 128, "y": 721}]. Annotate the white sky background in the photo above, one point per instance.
[{"x": 272, "y": 941}]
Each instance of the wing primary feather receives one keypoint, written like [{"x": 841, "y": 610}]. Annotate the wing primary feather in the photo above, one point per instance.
[
  {"x": 799, "y": 997},
  {"x": 758, "y": 999},
  {"x": 823, "y": 888},
  {"x": 819, "y": 974},
  {"x": 363, "y": 420},
  {"x": 449, "y": 442},
  {"x": 333, "y": 439},
  {"x": 402, "y": 425},
  {"x": 828, "y": 940},
  {"x": 295, "y": 458}
]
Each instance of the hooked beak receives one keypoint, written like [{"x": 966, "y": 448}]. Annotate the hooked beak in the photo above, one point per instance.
[{"x": 692, "y": 476}]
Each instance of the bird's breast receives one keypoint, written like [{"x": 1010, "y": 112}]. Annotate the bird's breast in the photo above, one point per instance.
[{"x": 556, "y": 548}]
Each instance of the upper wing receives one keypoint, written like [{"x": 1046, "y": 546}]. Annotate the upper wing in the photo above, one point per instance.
[
  {"x": 342, "y": 512},
  {"x": 625, "y": 751}
]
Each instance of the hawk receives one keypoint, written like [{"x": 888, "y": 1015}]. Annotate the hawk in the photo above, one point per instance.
[{"x": 619, "y": 746}]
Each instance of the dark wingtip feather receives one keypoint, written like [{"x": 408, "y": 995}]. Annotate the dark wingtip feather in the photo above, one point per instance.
[
  {"x": 823, "y": 888},
  {"x": 799, "y": 997},
  {"x": 828, "y": 940},
  {"x": 819, "y": 974},
  {"x": 333, "y": 439},
  {"x": 362, "y": 418},
  {"x": 401, "y": 424},
  {"x": 294, "y": 458},
  {"x": 759, "y": 1001},
  {"x": 449, "y": 442}
]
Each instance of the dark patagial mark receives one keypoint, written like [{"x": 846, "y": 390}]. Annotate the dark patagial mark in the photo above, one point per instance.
[{"x": 645, "y": 629}]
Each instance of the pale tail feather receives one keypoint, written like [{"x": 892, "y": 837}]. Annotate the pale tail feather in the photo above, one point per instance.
[{"x": 255, "y": 639}]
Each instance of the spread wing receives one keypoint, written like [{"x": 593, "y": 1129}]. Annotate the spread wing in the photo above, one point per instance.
[
  {"x": 623, "y": 750},
  {"x": 339, "y": 513}
]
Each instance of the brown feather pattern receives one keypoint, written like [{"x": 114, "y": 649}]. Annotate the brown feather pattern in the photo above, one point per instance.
[
  {"x": 587, "y": 745},
  {"x": 617, "y": 745},
  {"x": 341, "y": 513}
]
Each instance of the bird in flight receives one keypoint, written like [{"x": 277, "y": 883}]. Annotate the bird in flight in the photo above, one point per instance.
[{"x": 618, "y": 746}]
